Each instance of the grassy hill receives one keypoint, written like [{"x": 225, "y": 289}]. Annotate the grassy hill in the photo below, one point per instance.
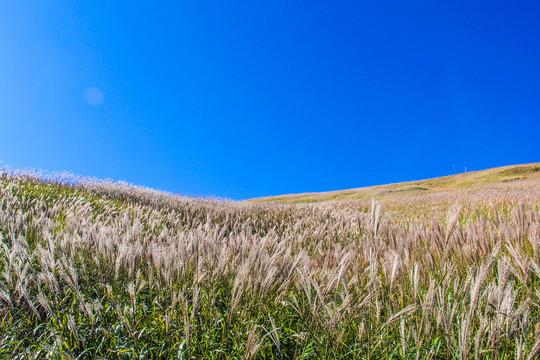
[
  {"x": 93, "y": 269},
  {"x": 470, "y": 180}
]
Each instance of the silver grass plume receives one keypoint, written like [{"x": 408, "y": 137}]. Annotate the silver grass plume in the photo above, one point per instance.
[
  {"x": 253, "y": 344},
  {"x": 452, "y": 219},
  {"x": 376, "y": 215},
  {"x": 408, "y": 310}
]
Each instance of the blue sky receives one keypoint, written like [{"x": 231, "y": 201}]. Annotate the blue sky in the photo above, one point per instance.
[{"x": 255, "y": 98}]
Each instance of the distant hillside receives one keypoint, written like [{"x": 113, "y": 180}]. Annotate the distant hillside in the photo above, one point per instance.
[{"x": 525, "y": 173}]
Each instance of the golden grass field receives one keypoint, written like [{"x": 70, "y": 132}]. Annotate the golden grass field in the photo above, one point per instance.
[
  {"x": 470, "y": 180},
  {"x": 447, "y": 268}
]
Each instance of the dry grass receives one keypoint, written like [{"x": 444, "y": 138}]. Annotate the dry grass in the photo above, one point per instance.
[
  {"x": 514, "y": 176},
  {"x": 96, "y": 269}
]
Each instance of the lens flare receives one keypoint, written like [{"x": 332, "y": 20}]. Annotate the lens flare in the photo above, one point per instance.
[{"x": 93, "y": 96}]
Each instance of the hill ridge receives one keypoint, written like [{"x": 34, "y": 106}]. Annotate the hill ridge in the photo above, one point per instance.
[{"x": 471, "y": 179}]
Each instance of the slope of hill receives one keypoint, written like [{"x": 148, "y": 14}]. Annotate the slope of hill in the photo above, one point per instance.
[
  {"x": 470, "y": 180},
  {"x": 101, "y": 270}
]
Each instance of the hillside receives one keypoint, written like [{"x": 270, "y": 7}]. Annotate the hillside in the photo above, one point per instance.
[
  {"x": 522, "y": 174},
  {"x": 94, "y": 269}
]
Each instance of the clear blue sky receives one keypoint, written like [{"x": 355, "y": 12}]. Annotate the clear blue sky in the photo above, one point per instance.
[{"x": 254, "y": 98}]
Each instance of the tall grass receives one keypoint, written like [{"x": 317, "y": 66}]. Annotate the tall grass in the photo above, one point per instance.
[{"x": 94, "y": 270}]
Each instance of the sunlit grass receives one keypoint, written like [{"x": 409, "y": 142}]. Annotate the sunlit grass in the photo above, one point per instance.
[
  {"x": 107, "y": 270},
  {"x": 514, "y": 176}
]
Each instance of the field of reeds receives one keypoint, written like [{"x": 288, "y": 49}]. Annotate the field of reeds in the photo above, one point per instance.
[{"x": 103, "y": 270}]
